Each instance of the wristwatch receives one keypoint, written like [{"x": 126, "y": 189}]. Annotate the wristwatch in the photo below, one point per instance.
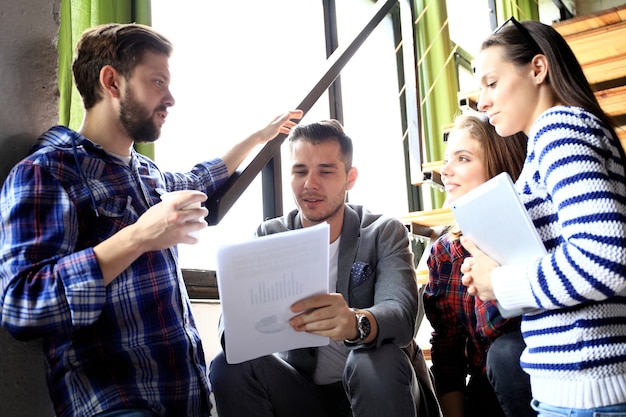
[{"x": 363, "y": 327}]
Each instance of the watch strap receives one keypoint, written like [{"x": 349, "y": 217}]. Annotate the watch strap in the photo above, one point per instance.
[{"x": 363, "y": 327}]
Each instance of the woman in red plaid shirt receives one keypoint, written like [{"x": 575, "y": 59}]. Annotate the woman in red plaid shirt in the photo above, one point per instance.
[{"x": 464, "y": 327}]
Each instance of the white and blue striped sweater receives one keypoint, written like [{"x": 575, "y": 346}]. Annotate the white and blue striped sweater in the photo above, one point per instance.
[{"x": 574, "y": 187}]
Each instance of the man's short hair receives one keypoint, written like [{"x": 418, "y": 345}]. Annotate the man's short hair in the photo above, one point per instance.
[
  {"x": 120, "y": 45},
  {"x": 324, "y": 131}
]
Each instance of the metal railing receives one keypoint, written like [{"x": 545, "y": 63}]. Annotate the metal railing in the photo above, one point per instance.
[{"x": 268, "y": 162}]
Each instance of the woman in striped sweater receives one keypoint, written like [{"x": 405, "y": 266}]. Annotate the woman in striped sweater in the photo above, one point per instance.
[{"x": 573, "y": 185}]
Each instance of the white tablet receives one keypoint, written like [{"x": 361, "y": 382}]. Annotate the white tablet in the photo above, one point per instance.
[{"x": 494, "y": 218}]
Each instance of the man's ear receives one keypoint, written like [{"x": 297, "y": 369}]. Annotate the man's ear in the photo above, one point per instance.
[
  {"x": 110, "y": 81},
  {"x": 353, "y": 173},
  {"x": 540, "y": 68}
]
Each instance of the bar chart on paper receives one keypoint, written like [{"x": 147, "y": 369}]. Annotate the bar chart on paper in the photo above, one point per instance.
[
  {"x": 260, "y": 279},
  {"x": 265, "y": 292}
]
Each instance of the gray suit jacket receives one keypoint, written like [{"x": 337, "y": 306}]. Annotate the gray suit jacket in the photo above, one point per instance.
[{"x": 375, "y": 272}]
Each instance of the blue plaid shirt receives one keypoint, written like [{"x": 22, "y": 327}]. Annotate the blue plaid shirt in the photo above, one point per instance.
[{"x": 133, "y": 343}]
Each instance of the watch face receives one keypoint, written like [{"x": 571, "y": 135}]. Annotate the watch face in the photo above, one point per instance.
[{"x": 364, "y": 326}]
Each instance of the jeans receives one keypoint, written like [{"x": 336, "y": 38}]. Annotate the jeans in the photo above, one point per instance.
[
  {"x": 510, "y": 383},
  {"x": 545, "y": 410},
  {"x": 480, "y": 399}
]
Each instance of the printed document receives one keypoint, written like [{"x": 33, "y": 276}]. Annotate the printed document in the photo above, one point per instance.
[{"x": 260, "y": 279}]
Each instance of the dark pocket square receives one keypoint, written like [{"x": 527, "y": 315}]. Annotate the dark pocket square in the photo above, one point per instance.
[{"x": 360, "y": 273}]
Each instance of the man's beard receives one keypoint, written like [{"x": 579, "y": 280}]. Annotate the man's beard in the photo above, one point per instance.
[
  {"x": 137, "y": 120},
  {"x": 327, "y": 216}
]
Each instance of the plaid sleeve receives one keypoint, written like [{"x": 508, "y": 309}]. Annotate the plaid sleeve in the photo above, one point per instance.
[
  {"x": 45, "y": 287},
  {"x": 207, "y": 177},
  {"x": 443, "y": 302}
]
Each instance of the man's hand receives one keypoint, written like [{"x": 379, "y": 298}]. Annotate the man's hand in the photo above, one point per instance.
[
  {"x": 477, "y": 271},
  {"x": 281, "y": 124},
  {"x": 324, "y": 315},
  {"x": 162, "y": 226},
  {"x": 170, "y": 222}
]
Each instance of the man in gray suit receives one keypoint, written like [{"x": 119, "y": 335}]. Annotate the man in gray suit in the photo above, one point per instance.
[{"x": 372, "y": 366}]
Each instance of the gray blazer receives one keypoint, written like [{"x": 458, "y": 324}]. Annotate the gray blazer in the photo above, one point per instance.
[{"x": 375, "y": 272}]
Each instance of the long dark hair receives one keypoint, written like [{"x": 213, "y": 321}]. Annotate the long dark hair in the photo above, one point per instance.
[{"x": 565, "y": 75}]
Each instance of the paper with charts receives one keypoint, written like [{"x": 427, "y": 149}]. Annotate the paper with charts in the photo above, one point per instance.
[{"x": 260, "y": 279}]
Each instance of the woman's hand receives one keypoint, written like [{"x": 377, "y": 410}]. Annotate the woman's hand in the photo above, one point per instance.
[{"x": 477, "y": 270}]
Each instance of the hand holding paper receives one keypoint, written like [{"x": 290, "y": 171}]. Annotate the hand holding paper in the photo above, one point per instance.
[
  {"x": 259, "y": 280},
  {"x": 325, "y": 315}
]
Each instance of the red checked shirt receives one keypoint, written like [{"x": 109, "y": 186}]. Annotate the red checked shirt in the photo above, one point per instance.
[{"x": 463, "y": 325}]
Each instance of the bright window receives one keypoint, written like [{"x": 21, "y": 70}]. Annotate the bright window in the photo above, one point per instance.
[{"x": 238, "y": 64}]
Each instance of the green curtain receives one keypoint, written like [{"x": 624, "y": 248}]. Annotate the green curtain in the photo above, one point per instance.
[
  {"x": 76, "y": 17},
  {"x": 520, "y": 9},
  {"x": 437, "y": 77}
]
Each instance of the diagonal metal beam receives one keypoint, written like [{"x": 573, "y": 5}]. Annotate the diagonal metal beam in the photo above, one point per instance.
[{"x": 220, "y": 202}]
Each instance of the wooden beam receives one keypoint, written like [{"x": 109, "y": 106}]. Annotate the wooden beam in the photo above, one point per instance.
[
  {"x": 597, "y": 44},
  {"x": 613, "y": 100},
  {"x": 430, "y": 218},
  {"x": 434, "y": 166},
  {"x": 593, "y": 21},
  {"x": 605, "y": 69}
]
